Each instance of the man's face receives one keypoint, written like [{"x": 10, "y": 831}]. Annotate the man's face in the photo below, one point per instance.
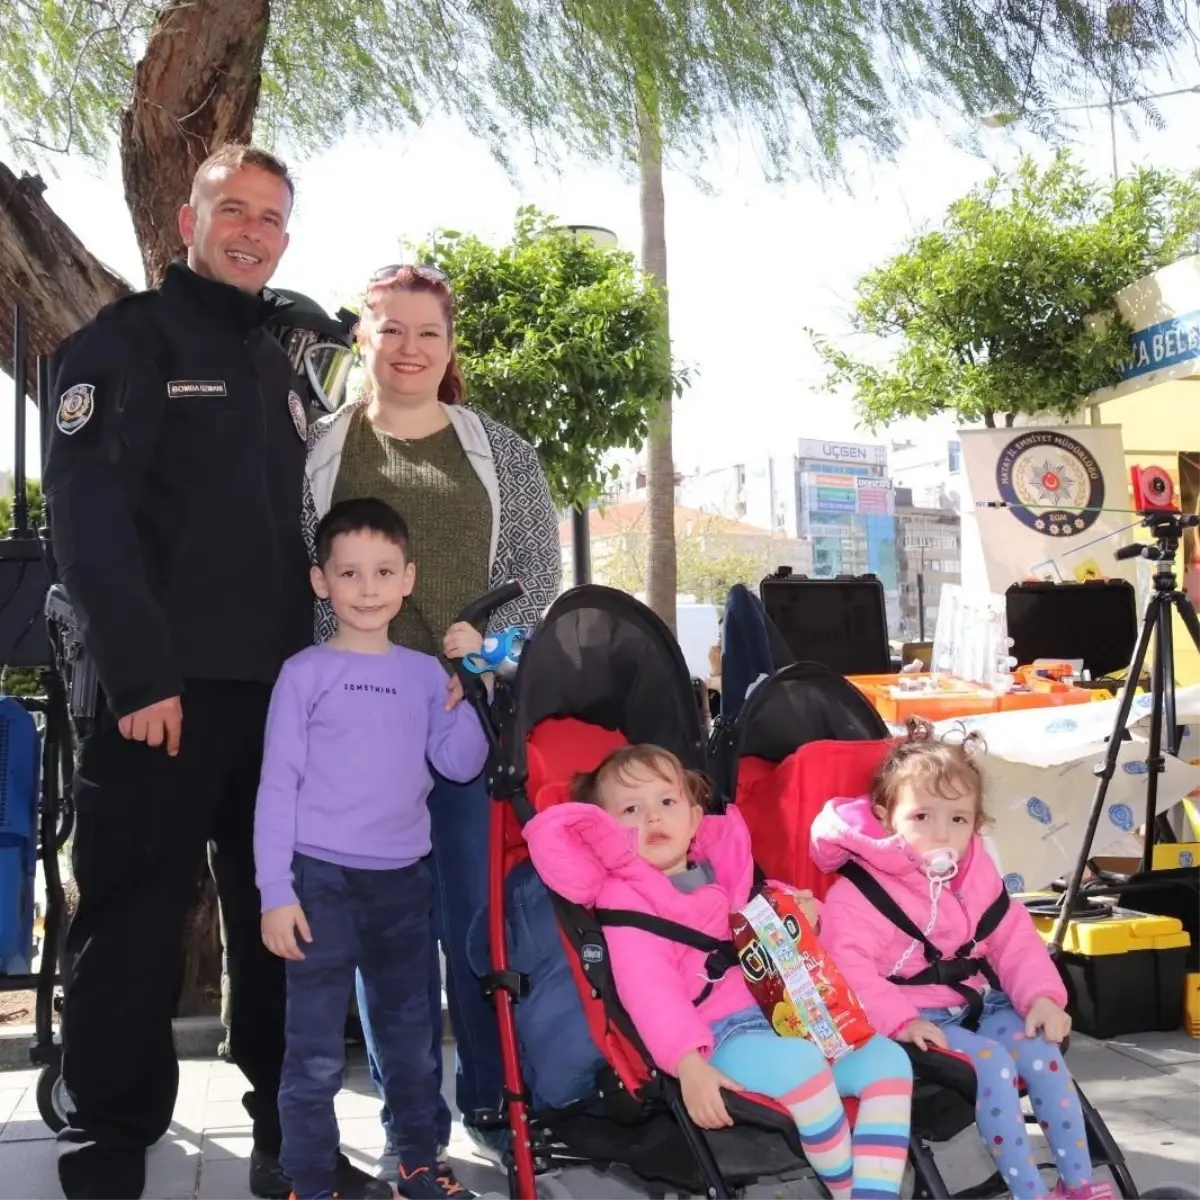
[{"x": 236, "y": 232}]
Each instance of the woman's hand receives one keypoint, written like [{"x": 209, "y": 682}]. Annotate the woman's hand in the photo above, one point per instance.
[
  {"x": 461, "y": 639},
  {"x": 1044, "y": 1014},
  {"x": 701, "y": 1084},
  {"x": 279, "y": 928},
  {"x": 923, "y": 1034}
]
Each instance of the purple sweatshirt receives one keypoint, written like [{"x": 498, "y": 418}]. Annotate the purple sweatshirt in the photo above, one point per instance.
[{"x": 344, "y": 774}]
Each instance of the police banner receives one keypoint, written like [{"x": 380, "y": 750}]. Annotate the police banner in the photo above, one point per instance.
[{"x": 1049, "y": 503}]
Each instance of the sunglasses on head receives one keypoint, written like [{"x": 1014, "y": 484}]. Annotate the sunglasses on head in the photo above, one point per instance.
[{"x": 421, "y": 270}]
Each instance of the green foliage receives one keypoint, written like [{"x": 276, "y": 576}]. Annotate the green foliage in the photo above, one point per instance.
[
  {"x": 558, "y": 339},
  {"x": 35, "y": 501},
  {"x": 990, "y": 313},
  {"x": 21, "y": 681},
  {"x": 708, "y": 563},
  {"x": 800, "y": 77}
]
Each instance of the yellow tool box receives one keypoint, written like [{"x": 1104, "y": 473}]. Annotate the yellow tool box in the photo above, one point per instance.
[{"x": 1124, "y": 970}]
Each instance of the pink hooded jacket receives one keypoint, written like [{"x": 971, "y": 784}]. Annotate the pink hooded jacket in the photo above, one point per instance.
[
  {"x": 867, "y": 946},
  {"x": 589, "y": 858}
]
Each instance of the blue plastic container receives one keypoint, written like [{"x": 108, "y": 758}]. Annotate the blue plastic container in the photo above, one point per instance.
[{"x": 20, "y": 761}]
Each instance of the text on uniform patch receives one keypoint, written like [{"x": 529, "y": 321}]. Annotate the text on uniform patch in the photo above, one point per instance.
[{"x": 179, "y": 388}]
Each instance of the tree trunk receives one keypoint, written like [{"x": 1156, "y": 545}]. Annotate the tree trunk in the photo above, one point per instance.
[
  {"x": 44, "y": 266},
  {"x": 196, "y": 88},
  {"x": 660, "y": 462}
]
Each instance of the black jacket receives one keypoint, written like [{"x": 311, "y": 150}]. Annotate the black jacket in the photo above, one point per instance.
[{"x": 174, "y": 481}]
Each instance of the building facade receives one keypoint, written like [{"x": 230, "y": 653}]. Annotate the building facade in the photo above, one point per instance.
[{"x": 929, "y": 555}]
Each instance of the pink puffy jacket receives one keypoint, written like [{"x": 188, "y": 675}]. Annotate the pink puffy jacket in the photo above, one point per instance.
[
  {"x": 589, "y": 858},
  {"x": 867, "y": 946}
]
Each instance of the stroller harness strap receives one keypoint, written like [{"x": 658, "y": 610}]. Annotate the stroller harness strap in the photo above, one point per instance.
[
  {"x": 951, "y": 972},
  {"x": 721, "y": 954}
]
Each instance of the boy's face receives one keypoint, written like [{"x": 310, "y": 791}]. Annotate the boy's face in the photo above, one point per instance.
[{"x": 366, "y": 580}]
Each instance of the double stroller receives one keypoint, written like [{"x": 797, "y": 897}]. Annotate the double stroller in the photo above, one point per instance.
[{"x": 600, "y": 671}]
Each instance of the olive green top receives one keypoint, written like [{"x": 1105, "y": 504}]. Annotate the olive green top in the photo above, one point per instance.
[{"x": 430, "y": 482}]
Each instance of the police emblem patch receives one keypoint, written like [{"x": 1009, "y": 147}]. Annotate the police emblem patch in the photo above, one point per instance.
[
  {"x": 1050, "y": 483},
  {"x": 296, "y": 408},
  {"x": 75, "y": 408}
]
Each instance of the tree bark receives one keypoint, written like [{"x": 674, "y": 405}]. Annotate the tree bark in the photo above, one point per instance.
[
  {"x": 196, "y": 88},
  {"x": 44, "y": 266},
  {"x": 660, "y": 461}
]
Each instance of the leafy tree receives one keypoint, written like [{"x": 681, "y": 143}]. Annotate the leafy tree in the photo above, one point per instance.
[
  {"x": 710, "y": 562},
  {"x": 559, "y": 339},
  {"x": 642, "y": 81},
  {"x": 992, "y": 312}
]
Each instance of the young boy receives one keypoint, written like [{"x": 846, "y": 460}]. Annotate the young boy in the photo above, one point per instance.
[{"x": 341, "y": 832}]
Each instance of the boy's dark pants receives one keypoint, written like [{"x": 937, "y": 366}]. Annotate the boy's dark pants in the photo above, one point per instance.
[{"x": 379, "y": 923}]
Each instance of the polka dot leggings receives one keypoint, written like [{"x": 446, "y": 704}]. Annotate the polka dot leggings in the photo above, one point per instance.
[{"x": 1000, "y": 1052}]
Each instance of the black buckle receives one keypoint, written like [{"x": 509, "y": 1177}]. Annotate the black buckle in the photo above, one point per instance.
[{"x": 512, "y": 982}]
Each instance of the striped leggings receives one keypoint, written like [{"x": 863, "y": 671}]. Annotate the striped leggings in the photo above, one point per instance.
[{"x": 866, "y": 1164}]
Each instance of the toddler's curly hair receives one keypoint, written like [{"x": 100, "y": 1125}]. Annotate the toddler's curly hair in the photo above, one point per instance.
[{"x": 944, "y": 766}]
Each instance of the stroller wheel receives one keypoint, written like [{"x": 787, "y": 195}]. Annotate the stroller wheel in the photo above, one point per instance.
[
  {"x": 1171, "y": 1191},
  {"x": 51, "y": 1098}
]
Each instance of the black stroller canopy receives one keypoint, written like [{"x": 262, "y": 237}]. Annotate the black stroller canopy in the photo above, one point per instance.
[
  {"x": 803, "y": 703},
  {"x": 601, "y": 656}
]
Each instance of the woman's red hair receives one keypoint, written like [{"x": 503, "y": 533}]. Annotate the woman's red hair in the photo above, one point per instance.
[{"x": 409, "y": 279}]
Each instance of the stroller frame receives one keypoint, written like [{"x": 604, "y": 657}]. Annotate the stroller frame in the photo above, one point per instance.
[{"x": 941, "y": 1110}]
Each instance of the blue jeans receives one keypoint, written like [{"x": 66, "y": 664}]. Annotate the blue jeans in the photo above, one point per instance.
[
  {"x": 459, "y": 815},
  {"x": 377, "y": 922}
]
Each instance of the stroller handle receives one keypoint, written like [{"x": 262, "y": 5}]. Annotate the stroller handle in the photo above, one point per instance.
[{"x": 477, "y": 610}]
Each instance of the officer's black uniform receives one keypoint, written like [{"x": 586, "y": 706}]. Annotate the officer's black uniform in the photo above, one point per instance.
[{"x": 174, "y": 481}]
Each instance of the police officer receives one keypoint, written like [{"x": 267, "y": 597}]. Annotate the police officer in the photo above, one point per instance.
[{"x": 174, "y": 479}]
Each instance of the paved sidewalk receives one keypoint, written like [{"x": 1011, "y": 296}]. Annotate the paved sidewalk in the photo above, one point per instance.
[{"x": 1148, "y": 1089}]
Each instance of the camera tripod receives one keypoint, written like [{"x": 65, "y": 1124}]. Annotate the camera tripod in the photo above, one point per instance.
[{"x": 1166, "y": 528}]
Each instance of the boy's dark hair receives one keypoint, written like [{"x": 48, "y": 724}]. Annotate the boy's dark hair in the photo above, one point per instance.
[{"x": 360, "y": 516}]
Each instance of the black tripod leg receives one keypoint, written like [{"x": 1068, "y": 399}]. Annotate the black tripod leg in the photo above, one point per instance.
[
  {"x": 1162, "y": 710},
  {"x": 1106, "y": 771}
]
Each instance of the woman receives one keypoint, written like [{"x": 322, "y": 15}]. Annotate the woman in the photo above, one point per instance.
[{"x": 479, "y": 512}]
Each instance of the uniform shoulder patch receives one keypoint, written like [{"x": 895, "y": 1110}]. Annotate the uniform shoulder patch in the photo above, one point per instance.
[
  {"x": 75, "y": 408},
  {"x": 299, "y": 419}
]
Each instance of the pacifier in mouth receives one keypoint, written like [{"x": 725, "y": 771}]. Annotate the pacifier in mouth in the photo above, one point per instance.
[{"x": 941, "y": 863}]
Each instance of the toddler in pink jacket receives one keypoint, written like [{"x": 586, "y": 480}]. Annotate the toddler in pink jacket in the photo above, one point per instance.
[
  {"x": 917, "y": 837},
  {"x": 637, "y": 839}
]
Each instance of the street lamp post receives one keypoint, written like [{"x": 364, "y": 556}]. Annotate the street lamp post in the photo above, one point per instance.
[
  {"x": 581, "y": 536},
  {"x": 1001, "y": 120}
]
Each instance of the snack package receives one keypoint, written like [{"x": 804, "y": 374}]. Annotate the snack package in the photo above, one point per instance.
[{"x": 797, "y": 985}]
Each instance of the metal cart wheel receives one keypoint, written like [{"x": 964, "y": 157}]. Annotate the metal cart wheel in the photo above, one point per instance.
[{"x": 52, "y": 1097}]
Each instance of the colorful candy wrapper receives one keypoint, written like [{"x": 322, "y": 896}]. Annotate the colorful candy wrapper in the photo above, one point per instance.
[{"x": 796, "y": 983}]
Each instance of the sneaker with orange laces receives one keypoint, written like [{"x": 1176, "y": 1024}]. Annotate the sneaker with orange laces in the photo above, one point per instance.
[{"x": 434, "y": 1182}]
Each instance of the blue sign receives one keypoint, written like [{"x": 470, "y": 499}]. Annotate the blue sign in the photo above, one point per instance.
[{"x": 1164, "y": 345}]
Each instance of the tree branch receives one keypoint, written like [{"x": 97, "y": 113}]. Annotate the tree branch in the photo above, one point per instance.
[{"x": 47, "y": 268}]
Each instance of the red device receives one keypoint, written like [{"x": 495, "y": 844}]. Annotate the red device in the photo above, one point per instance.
[{"x": 1153, "y": 490}]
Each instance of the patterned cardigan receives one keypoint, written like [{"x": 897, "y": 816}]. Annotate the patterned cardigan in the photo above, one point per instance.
[{"x": 524, "y": 521}]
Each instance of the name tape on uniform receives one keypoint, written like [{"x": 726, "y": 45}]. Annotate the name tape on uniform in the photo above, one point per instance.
[{"x": 179, "y": 389}]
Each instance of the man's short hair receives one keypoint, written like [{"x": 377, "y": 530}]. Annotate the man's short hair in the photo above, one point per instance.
[
  {"x": 233, "y": 156},
  {"x": 360, "y": 516}
]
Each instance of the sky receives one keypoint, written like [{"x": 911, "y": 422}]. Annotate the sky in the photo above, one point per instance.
[{"x": 750, "y": 264}]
